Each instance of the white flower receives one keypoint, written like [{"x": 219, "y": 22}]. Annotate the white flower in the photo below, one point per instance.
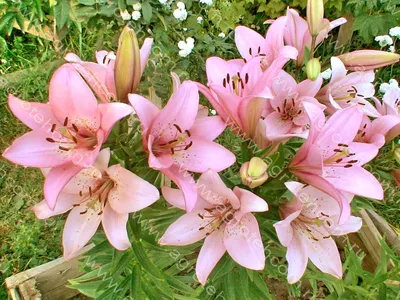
[
  {"x": 180, "y": 13},
  {"x": 184, "y": 29},
  {"x": 221, "y": 35},
  {"x": 136, "y": 15},
  {"x": 186, "y": 47},
  {"x": 384, "y": 87},
  {"x": 207, "y": 2},
  {"x": 395, "y": 32},
  {"x": 393, "y": 83},
  {"x": 126, "y": 16},
  {"x": 213, "y": 112},
  {"x": 180, "y": 5},
  {"x": 199, "y": 20},
  {"x": 384, "y": 40},
  {"x": 137, "y": 6},
  {"x": 326, "y": 74},
  {"x": 163, "y": 2},
  {"x": 391, "y": 49}
]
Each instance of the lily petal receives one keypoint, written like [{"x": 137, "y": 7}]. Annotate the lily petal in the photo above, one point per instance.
[
  {"x": 212, "y": 251},
  {"x": 79, "y": 229},
  {"x": 130, "y": 192},
  {"x": 243, "y": 242},
  {"x": 114, "y": 225}
]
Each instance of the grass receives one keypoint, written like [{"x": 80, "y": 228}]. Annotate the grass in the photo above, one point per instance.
[{"x": 25, "y": 241}]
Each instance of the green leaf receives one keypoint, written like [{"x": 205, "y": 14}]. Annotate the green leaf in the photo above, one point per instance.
[
  {"x": 87, "y": 2},
  {"x": 147, "y": 11},
  {"x": 135, "y": 280},
  {"x": 6, "y": 20},
  {"x": 61, "y": 13}
]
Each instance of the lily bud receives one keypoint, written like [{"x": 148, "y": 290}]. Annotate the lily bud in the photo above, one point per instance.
[
  {"x": 127, "y": 64},
  {"x": 396, "y": 176},
  {"x": 365, "y": 60},
  {"x": 254, "y": 172},
  {"x": 315, "y": 16},
  {"x": 313, "y": 69},
  {"x": 397, "y": 155}
]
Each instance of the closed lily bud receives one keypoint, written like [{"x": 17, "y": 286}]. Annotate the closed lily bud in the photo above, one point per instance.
[
  {"x": 365, "y": 60},
  {"x": 396, "y": 176},
  {"x": 397, "y": 155},
  {"x": 313, "y": 69},
  {"x": 315, "y": 16},
  {"x": 254, "y": 172},
  {"x": 127, "y": 69}
]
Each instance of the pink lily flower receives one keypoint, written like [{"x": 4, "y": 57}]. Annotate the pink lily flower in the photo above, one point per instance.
[
  {"x": 238, "y": 92},
  {"x": 345, "y": 89},
  {"x": 99, "y": 194},
  {"x": 100, "y": 75},
  {"x": 379, "y": 131},
  {"x": 67, "y": 133},
  {"x": 176, "y": 141},
  {"x": 331, "y": 161},
  {"x": 251, "y": 44},
  {"x": 224, "y": 218},
  {"x": 310, "y": 220},
  {"x": 288, "y": 117},
  {"x": 297, "y": 33}
]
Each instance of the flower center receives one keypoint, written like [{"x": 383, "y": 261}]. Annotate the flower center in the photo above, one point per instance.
[
  {"x": 341, "y": 157},
  {"x": 178, "y": 143},
  {"x": 71, "y": 137},
  {"x": 217, "y": 216},
  {"x": 289, "y": 110},
  {"x": 236, "y": 83},
  {"x": 96, "y": 198}
]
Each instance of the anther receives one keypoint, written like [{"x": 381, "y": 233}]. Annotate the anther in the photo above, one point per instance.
[
  {"x": 63, "y": 148},
  {"x": 188, "y": 133},
  {"x": 250, "y": 52},
  {"x": 50, "y": 140},
  {"x": 339, "y": 160},
  {"x": 66, "y": 121},
  {"x": 348, "y": 166},
  {"x": 53, "y": 127},
  {"x": 100, "y": 213},
  {"x": 83, "y": 212},
  {"x": 224, "y": 82},
  {"x": 90, "y": 191},
  {"x": 353, "y": 161},
  {"x": 75, "y": 127},
  {"x": 343, "y": 145},
  {"x": 80, "y": 193},
  {"x": 178, "y": 128},
  {"x": 246, "y": 78},
  {"x": 172, "y": 151},
  {"x": 75, "y": 205},
  {"x": 337, "y": 150},
  {"x": 200, "y": 216},
  {"x": 259, "y": 49},
  {"x": 188, "y": 146}
]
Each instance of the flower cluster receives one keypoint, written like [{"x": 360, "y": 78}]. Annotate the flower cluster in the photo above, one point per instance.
[
  {"x": 186, "y": 47},
  {"x": 260, "y": 98}
]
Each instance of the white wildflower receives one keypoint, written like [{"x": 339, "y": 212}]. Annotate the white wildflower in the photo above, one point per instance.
[
  {"x": 213, "y": 112},
  {"x": 199, "y": 20},
  {"x": 222, "y": 35},
  {"x": 186, "y": 47},
  {"x": 207, "y": 2},
  {"x": 136, "y": 15},
  {"x": 125, "y": 15},
  {"x": 391, "y": 49},
  {"x": 326, "y": 74},
  {"x": 137, "y": 6},
  {"x": 180, "y": 13},
  {"x": 395, "y": 32},
  {"x": 384, "y": 87},
  {"x": 384, "y": 40}
]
